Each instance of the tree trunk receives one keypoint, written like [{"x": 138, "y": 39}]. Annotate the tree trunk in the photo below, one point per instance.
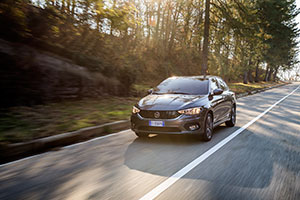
[
  {"x": 73, "y": 8},
  {"x": 257, "y": 72},
  {"x": 158, "y": 21},
  {"x": 68, "y": 6},
  {"x": 197, "y": 24},
  {"x": 167, "y": 28},
  {"x": 250, "y": 78},
  {"x": 245, "y": 77},
  {"x": 62, "y": 8},
  {"x": 266, "y": 74},
  {"x": 270, "y": 74},
  {"x": 112, "y": 22},
  {"x": 148, "y": 25},
  {"x": 187, "y": 25},
  {"x": 275, "y": 73},
  {"x": 162, "y": 30},
  {"x": 204, "y": 60},
  {"x": 174, "y": 26}
]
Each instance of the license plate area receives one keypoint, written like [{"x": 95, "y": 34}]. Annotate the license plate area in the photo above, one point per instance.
[{"x": 157, "y": 123}]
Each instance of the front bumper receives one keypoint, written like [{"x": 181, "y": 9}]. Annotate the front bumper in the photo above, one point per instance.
[{"x": 179, "y": 125}]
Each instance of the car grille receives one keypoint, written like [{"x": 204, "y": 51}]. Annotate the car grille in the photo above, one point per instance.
[
  {"x": 159, "y": 129},
  {"x": 162, "y": 114}
]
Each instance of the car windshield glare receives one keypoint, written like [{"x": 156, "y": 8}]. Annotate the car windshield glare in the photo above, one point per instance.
[{"x": 183, "y": 85}]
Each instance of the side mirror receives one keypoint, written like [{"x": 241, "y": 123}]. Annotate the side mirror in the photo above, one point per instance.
[
  {"x": 217, "y": 91},
  {"x": 150, "y": 91}
]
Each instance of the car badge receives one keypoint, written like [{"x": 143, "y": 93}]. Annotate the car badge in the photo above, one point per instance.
[{"x": 156, "y": 115}]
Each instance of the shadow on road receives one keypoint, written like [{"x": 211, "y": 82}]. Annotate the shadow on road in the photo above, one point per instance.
[{"x": 248, "y": 163}]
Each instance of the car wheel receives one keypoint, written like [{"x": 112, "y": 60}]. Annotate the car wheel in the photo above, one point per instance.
[
  {"x": 232, "y": 120},
  {"x": 208, "y": 128},
  {"x": 141, "y": 135}
]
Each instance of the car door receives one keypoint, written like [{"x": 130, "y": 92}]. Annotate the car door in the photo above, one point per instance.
[
  {"x": 226, "y": 100},
  {"x": 216, "y": 101}
]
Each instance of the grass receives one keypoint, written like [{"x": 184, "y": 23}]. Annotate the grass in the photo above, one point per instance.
[
  {"x": 20, "y": 124},
  {"x": 26, "y": 123},
  {"x": 241, "y": 87}
]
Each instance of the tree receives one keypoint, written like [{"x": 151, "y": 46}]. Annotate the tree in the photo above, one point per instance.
[
  {"x": 277, "y": 20},
  {"x": 204, "y": 60}
]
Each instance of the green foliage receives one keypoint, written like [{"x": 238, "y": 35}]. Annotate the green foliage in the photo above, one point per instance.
[
  {"x": 277, "y": 21},
  {"x": 27, "y": 123}
]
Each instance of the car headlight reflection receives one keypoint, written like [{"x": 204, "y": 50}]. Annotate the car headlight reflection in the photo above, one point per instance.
[
  {"x": 135, "y": 110},
  {"x": 191, "y": 111}
]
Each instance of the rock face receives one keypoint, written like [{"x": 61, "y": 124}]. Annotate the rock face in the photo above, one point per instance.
[{"x": 29, "y": 76}]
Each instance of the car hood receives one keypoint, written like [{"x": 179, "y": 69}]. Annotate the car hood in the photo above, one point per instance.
[{"x": 168, "y": 101}]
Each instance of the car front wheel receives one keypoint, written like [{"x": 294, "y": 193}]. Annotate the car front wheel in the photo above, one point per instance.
[{"x": 208, "y": 128}]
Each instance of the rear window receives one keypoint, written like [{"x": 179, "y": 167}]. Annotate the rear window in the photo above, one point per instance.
[{"x": 183, "y": 85}]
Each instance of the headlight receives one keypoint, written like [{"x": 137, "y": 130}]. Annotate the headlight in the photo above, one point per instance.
[
  {"x": 191, "y": 111},
  {"x": 135, "y": 110}
]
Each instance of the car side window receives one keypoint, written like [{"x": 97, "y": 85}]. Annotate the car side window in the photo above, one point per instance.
[
  {"x": 214, "y": 84},
  {"x": 222, "y": 84}
]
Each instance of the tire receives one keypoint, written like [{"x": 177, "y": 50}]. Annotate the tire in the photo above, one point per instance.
[
  {"x": 208, "y": 128},
  {"x": 232, "y": 120},
  {"x": 141, "y": 135}
]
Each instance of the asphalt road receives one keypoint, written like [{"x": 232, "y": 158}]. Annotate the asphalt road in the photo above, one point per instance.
[{"x": 262, "y": 162}]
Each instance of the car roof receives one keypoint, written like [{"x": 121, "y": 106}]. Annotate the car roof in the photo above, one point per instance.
[{"x": 204, "y": 77}]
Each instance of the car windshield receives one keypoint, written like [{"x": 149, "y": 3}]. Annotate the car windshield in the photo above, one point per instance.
[{"x": 183, "y": 85}]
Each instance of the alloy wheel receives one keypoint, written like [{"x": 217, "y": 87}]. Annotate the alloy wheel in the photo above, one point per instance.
[{"x": 209, "y": 127}]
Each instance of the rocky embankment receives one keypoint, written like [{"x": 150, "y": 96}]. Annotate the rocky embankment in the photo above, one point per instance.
[{"x": 29, "y": 76}]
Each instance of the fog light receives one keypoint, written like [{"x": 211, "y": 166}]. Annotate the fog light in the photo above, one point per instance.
[{"x": 193, "y": 127}]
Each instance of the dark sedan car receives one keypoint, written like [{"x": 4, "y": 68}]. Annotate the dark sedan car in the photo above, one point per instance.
[{"x": 185, "y": 105}]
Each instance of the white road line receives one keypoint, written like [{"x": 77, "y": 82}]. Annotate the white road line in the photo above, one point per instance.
[
  {"x": 69, "y": 146},
  {"x": 175, "y": 177}
]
